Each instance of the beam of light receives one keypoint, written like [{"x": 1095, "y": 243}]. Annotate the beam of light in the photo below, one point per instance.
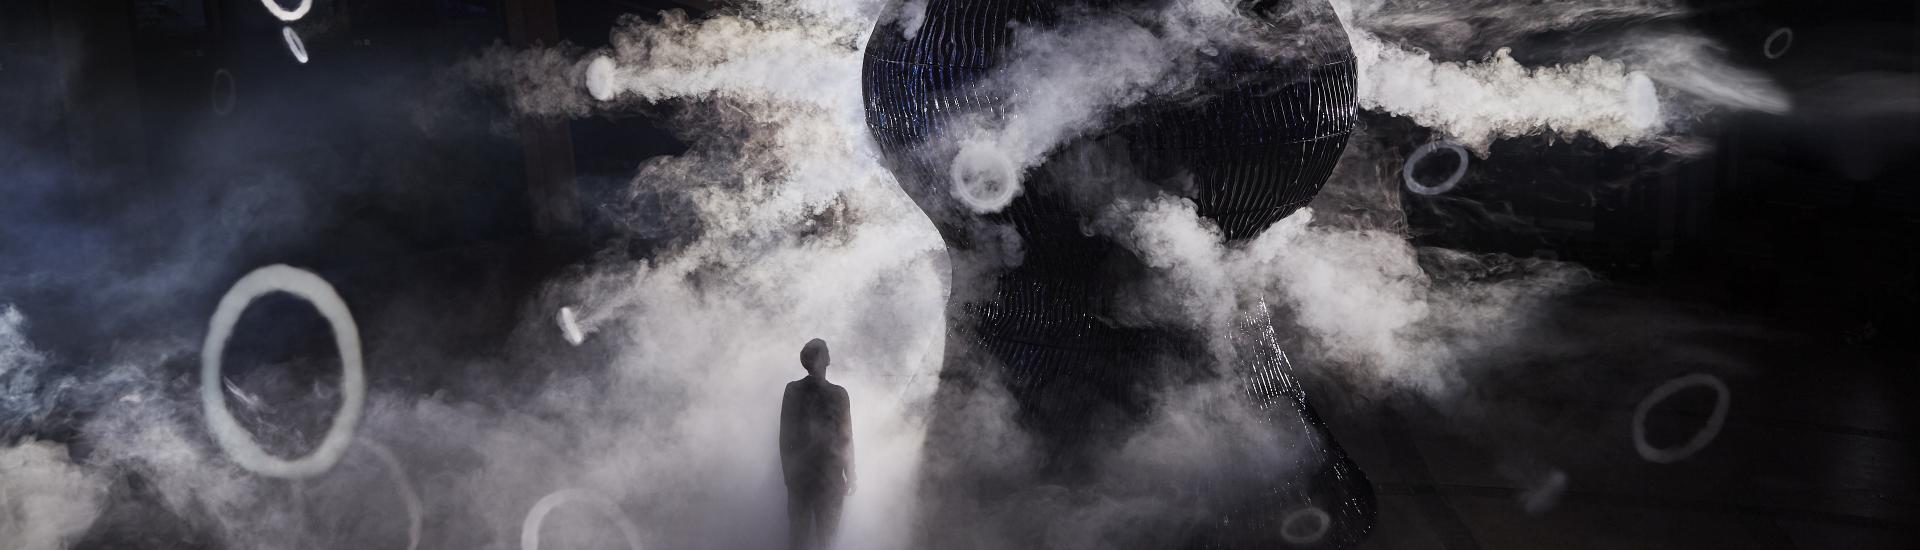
[
  {"x": 1306, "y": 525},
  {"x": 294, "y": 45},
  {"x": 1414, "y": 185},
  {"x": 288, "y": 15},
  {"x": 234, "y": 439},
  {"x": 530, "y": 529},
  {"x": 1700, "y": 439}
]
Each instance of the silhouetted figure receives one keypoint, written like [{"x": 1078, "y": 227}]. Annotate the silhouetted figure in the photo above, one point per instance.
[{"x": 816, "y": 451}]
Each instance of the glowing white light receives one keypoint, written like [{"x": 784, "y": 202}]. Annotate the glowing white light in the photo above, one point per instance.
[
  {"x": 224, "y": 93},
  {"x": 1305, "y": 526},
  {"x": 415, "y": 513},
  {"x": 1778, "y": 43},
  {"x": 1414, "y": 185},
  {"x": 600, "y": 78},
  {"x": 1643, "y": 102},
  {"x": 984, "y": 178},
  {"x": 288, "y": 15},
  {"x": 1700, "y": 439},
  {"x": 530, "y": 529},
  {"x": 294, "y": 45},
  {"x": 570, "y": 326},
  {"x": 234, "y": 439}
]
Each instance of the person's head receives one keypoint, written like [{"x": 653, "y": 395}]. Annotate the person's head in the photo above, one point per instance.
[{"x": 814, "y": 357}]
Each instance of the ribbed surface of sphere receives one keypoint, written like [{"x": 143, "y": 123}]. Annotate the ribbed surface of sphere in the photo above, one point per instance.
[{"x": 1258, "y": 145}]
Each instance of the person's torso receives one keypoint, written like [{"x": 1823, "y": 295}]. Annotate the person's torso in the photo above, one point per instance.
[{"x": 821, "y": 419}]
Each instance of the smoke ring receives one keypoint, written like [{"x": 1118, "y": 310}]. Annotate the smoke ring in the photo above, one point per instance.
[
  {"x": 1779, "y": 34},
  {"x": 984, "y": 178},
  {"x": 294, "y": 45},
  {"x": 1414, "y": 185},
  {"x": 288, "y": 15},
  {"x": 223, "y": 103},
  {"x": 416, "y": 514},
  {"x": 1700, "y": 439},
  {"x": 1321, "y": 524},
  {"x": 530, "y": 528},
  {"x": 234, "y": 439}
]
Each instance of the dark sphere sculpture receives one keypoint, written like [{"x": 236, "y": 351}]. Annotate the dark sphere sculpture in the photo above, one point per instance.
[{"x": 1250, "y": 143}]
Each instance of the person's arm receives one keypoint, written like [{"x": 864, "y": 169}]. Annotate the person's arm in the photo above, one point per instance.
[
  {"x": 789, "y": 432},
  {"x": 846, "y": 438}
]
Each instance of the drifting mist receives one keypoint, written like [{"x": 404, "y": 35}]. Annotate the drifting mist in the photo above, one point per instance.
[{"x": 666, "y": 407}]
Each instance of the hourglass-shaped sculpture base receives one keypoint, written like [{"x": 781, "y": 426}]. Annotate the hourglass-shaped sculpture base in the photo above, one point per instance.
[{"x": 1052, "y": 417}]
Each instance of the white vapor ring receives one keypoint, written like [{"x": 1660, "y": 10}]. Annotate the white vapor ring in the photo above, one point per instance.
[
  {"x": 288, "y": 15},
  {"x": 1700, "y": 439},
  {"x": 974, "y": 172},
  {"x": 294, "y": 45},
  {"x": 415, "y": 513},
  {"x": 1782, "y": 33},
  {"x": 223, "y": 103},
  {"x": 1321, "y": 524},
  {"x": 530, "y": 529},
  {"x": 1406, "y": 171},
  {"x": 234, "y": 439}
]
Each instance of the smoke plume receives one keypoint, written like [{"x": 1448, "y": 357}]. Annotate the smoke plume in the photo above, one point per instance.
[{"x": 661, "y": 401}]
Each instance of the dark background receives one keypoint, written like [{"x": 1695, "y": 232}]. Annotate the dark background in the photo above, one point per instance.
[{"x": 438, "y": 214}]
